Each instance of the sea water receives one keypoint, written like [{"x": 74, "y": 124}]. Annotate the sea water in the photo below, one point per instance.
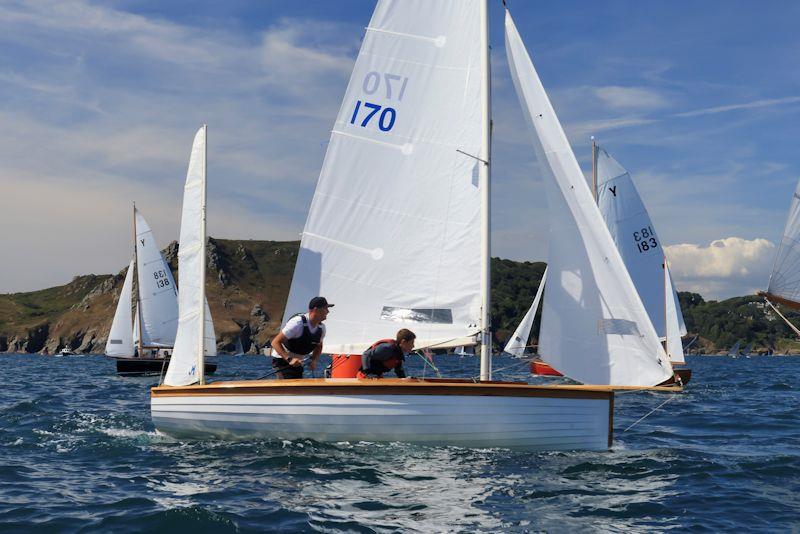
[{"x": 78, "y": 452}]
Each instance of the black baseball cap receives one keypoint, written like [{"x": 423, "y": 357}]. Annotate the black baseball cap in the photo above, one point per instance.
[{"x": 319, "y": 302}]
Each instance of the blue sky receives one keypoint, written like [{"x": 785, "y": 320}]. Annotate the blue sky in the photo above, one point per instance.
[{"x": 99, "y": 103}]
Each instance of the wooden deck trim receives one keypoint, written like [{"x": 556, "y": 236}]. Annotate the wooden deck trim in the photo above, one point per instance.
[
  {"x": 386, "y": 386},
  {"x": 780, "y": 300}
]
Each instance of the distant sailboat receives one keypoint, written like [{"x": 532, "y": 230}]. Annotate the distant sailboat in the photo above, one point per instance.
[
  {"x": 144, "y": 348},
  {"x": 784, "y": 280},
  {"x": 748, "y": 350},
  {"x": 733, "y": 352},
  {"x": 239, "y": 351}
]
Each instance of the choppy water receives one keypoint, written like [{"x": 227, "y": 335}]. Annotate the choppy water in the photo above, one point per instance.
[{"x": 78, "y": 453}]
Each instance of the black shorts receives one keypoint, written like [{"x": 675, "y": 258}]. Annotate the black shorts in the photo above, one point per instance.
[{"x": 286, "y": 370}]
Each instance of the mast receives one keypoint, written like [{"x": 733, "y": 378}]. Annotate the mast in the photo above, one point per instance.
[
  {"x": 202, "y": 352},
  {"x": 138, "y": 285},
  {"x": 594, "y": 169},
  {"x": 484, "y": 177},
  {"x": 666, "y": 320}
]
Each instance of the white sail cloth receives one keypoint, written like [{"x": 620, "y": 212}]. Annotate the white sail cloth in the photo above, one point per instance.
[
  {"x": 393, "y": 232},
  {"x": 635, "y": 236},
  {"x": 120, "y": 340},
  {"x": 784, "y": 281},
  {"x": 519, "y": 339},
  {"x": 594, "y": 326},
  {"x": 158, "y": 293},
  {"x": 675, "y": 327},
  {"x": 183, "y": 368}
]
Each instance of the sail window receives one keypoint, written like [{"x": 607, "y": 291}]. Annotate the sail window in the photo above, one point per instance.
[
  {"x": 417, "y": 315},
  {"x": 621, "y": 327}
]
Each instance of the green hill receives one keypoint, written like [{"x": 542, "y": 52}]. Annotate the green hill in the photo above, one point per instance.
[{"x": 248, "y": 283}]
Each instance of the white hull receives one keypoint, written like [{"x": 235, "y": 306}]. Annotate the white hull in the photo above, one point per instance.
[{"x": 539, "y": 422}]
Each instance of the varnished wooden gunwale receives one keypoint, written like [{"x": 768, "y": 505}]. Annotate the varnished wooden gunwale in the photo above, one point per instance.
[
  {"x": 386, "y": 386},
  {"x": 780, "y": 300}
]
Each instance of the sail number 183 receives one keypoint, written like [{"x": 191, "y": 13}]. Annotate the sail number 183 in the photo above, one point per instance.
[{"x": 645, "y": 239}]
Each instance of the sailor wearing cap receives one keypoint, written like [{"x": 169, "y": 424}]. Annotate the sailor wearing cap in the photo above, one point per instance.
[{"x": 300, "y": 337}]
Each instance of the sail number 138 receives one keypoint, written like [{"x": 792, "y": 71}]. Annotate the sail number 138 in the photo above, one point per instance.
[{"x": 645, "y": 239}]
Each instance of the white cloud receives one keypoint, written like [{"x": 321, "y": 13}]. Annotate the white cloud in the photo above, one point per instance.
[
  {"x": 764, "y": 103},
  {"x": 726, "y": 267}
]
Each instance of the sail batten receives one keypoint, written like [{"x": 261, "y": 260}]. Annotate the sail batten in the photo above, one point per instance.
[{"x": 594, "y": 326}]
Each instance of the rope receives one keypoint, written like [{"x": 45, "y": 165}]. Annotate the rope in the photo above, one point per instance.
[{"x": 648, "y": 413}]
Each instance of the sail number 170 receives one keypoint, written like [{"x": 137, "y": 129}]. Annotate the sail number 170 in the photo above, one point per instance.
[{"x": 645, "y": 239}]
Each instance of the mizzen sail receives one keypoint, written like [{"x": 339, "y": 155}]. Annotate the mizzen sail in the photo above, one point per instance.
[
  {"x": 595, "y": 328},
  {"x": 393, "y": 234}
]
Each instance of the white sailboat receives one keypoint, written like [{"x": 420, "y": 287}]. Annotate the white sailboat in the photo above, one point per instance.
[
  {"x": 641, "y": 249},
  {"x": 733, "y": 352},
  {"x": 519, "y": 339},
  {"x": 784, "y": 280},
  {"x": 144, "y": 347},
  {"x": 239, "y": 350},
  {"x": 414, "y": 125}
]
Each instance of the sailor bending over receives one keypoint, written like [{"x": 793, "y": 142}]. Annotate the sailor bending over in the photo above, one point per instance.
[
  {"x": 387, "y": 355},
  {"x": 300, "y": 337}
]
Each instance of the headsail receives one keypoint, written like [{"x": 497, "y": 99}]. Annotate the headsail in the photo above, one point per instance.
[
  {"x": 594, "y": 326},
  {"x": 519, "y": 340},
  {"x": 636, "y": 239},
  {"x": 183, "y": 367},
  {"x": 784, "y": 281},
  {"x": 393, "y": 233},
  {"x": 158, "y": 294},
  {"x": 120, "y": 341},
  {"x": 674, "y": 323}
]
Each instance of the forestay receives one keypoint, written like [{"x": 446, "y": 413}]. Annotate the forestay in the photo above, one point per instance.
[
  {"x": 635, "y": 236},
  {"x": 594, "y": 326},
  {"x": 784, "y": 282},
  {"x": 393, "y": 232},
  {"x": 120, "y": 341},
  {"x": 183, "y": 368},
  {"x": 519, "y": 340},
  {"x": 158, "y": 295}
]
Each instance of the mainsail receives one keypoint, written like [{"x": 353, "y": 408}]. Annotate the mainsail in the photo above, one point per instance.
[
  {"x": 120, "y": 341},
  {"x": 595, "y": 328},
  {"x": 393, "y": 234},
  {"x": 158, "y": 295},
  {"x": 784, "y": 281},
  {"x": 519, "y": 340},
  {"x": 185, "y": 367},
  {"x": 634, "y": 234}
]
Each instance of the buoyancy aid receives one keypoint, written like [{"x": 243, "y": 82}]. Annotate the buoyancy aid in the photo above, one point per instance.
[
  {"x": 382, "y": 356},
  {"x": 307, "y": 342}
]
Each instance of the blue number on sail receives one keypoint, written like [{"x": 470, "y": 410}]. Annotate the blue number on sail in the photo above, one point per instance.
[{"x": 385, "y": 120}]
